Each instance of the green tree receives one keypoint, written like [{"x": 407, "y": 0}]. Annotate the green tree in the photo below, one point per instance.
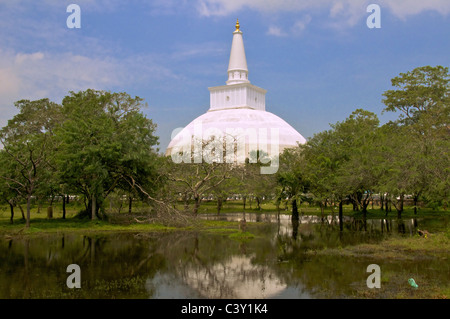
[
  {"x": 105, "y": 139},
  {"x": 397, "y": 178},
  {"x": 360, "y": 170},
  {"x": 28, "y": 142},
  {"x": 9, "y": 192},
  {"x": 323, "y": 158},
  {"x": 257, "y": 185},
  {"x": 338, "y": 163},
  {"x": 196, "y": 180},
  {"x": 424, "y": 90},
  {"x": 291, "y": 177},
  {"x": 423, "y": 98}
]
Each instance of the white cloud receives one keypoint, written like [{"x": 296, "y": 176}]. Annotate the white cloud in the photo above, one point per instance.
[
  {"x": 39, "y": 75},
  {"x": 405, "y": 8},
  {"x": 39, "y": 59},
  {"x": 300, "y": 25},
  {"x": 350, "y": 9},
  {"x": 193, "y": 50},
  {"x": 276, "y": 31},
  {"x": 92, "y": 5},
  {"x": 226, "y": 7},
  {"x": 336, "y": 8},
  {"x": 48, "y": 75},
  {"x": 297, "y": 28}
]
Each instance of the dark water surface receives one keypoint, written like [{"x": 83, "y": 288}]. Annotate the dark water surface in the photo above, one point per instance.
[{"x": 279, "y": 262}]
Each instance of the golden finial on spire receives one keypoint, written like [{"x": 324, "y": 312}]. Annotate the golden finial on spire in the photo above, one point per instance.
[{"x": 237, "y": 25}]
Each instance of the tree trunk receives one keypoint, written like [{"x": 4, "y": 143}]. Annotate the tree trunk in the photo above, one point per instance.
[
  {"x": 21, "y": 210},
  {"x": 94, "y": 207},
  {"x": 50, "y": 212},
  {"x": 258, "y": 203},
  {"x": 11, "y": 207},
  {"x": 353, "y": 200},
  {"x": 244, "y": 199},
  {"x": 321, "y": 210},
  {"x": 416, "y": 199},
  {"x": 365, "y": 203},
  {"x": 294, "y": 210},
  {"x": 278, "y": 209},
  {"x": 64, "y": 207},
  {"x": 341, "y": 221},
  {"x": 219, "y": 204},
  {"x": 130, "y": 203},
  {"x": 28, "y": 211},
  {"x": 196, "y": 204},
  {"x": 120, "y": 205},
  {"x": 400, "y": 208}
]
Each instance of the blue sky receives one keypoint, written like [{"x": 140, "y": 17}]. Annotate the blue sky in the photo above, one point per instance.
[{"x": 317, "y": 59}]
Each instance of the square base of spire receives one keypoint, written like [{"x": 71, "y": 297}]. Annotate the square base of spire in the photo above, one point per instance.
[{"x": 242, "y": 95}]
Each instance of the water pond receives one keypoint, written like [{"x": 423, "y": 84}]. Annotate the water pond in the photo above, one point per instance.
[{"x": 278, "y": 260}]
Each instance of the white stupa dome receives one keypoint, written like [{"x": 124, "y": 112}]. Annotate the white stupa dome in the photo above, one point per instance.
[
  {"x": 249, "y": 120},
  {"x": 237, "y": 112}
]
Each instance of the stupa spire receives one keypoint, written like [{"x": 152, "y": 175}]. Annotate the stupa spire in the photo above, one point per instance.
[{"x": 237, "y": 67}]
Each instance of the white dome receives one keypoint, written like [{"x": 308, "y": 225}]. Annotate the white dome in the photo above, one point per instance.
[{"x": 244, "y": 119}]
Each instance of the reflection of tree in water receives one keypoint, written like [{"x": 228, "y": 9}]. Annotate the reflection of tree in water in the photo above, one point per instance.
[
  {"x": 111, "y": 266},
  {"x": 91, "y": 245}
]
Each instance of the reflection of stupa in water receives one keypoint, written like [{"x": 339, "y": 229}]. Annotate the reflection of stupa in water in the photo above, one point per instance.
[
  {"x": 234, "y": 278},
  {"x": 238, "y": 112},
  {"x": 237, "y": 278}
]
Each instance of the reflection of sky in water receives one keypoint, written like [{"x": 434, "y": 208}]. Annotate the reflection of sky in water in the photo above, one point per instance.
[
  {"x": 236, "y": 278},
  {"x": 166, "y": 286}
]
